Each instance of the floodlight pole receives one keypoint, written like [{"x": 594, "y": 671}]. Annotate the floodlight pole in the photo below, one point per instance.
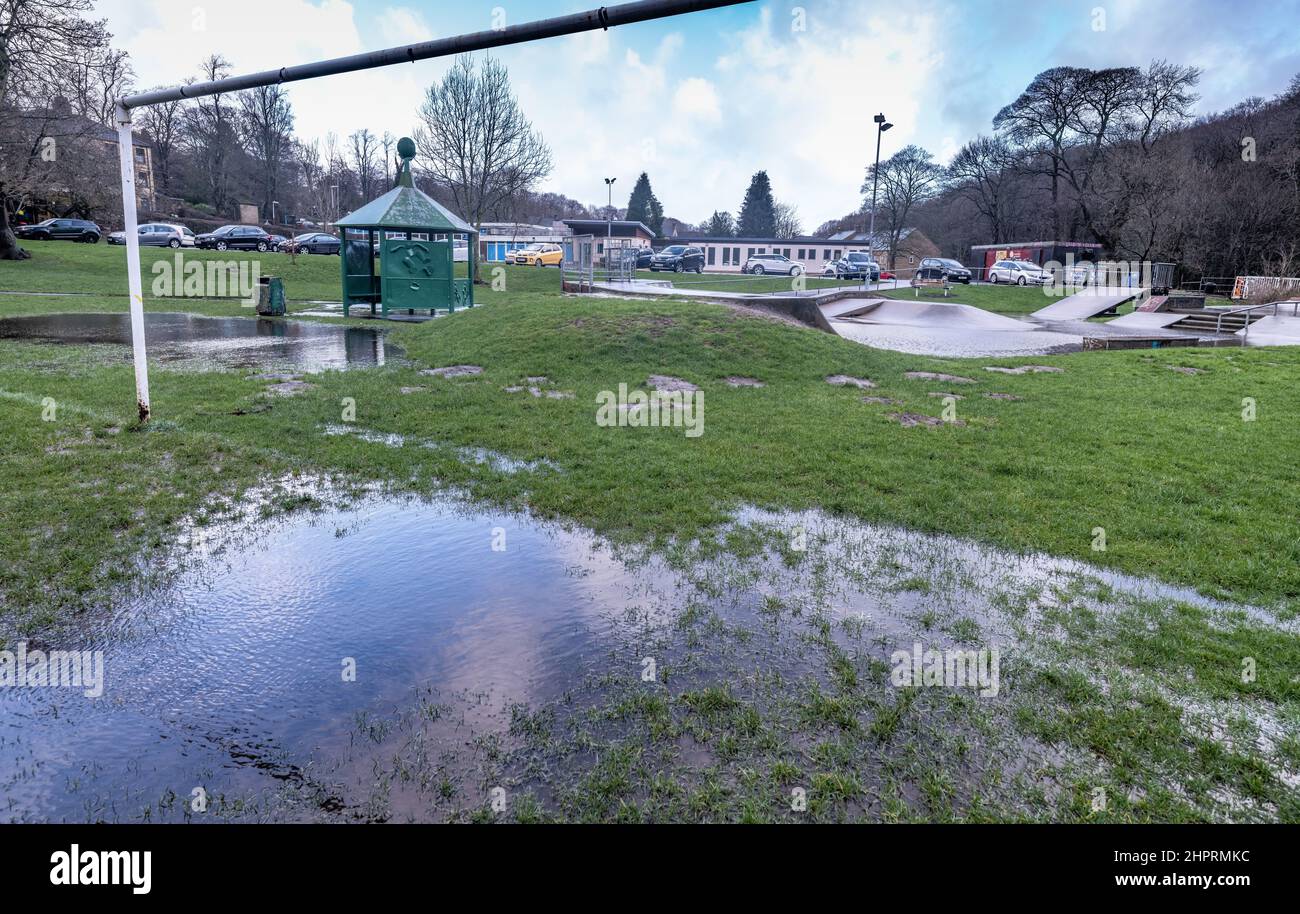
[
  {"x": 603, "y": 18},
  {"x": 126, "y": 157}
]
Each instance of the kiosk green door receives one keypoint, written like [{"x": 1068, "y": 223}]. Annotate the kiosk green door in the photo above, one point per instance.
[{"x": 416, "y": 275}]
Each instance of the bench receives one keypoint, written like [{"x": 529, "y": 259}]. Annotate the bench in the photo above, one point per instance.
[{"x": 940, "y": 283}]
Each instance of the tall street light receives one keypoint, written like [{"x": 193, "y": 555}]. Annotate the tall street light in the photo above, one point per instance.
[
  {"x": 609, "y": 210},
  {"x": 881, "y": 126}
]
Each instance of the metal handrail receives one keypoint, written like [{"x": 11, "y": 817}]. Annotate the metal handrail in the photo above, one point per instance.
[{"x": 1218, "y": 325}]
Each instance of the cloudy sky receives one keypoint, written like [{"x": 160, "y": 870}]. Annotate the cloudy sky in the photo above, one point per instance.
[{"x": 701, "y": 102}]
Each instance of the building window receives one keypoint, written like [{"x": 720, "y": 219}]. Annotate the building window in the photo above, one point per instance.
[
  {"x": 837, "y": 254},
  {"x": 600, "y": 247},
  {"x": 712, "y": 251},
  {"x": 749, "y": 252},
  {"x": 726, "y": 257},
  {"x": 735, "y": 256}
]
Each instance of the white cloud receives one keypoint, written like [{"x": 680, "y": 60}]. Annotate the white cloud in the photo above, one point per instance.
[
  {"x": 696, "y": 97},
  {"x": 403, "y": 25}
]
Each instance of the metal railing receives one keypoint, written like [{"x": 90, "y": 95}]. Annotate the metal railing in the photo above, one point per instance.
[{"x": 1245, "y": 331}]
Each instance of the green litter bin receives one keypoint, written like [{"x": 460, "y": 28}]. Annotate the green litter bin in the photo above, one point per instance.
[{"x": 270, "y": 296}]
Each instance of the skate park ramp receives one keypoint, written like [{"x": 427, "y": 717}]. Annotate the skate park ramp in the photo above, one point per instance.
[
  {"x": 1086, "y": 304},
  {"x": 1275, "y": 330},
  {"x": 850, "y": 307},
  {"x": 1146, "y": 320},
  {"x": 937, "y": 315}
]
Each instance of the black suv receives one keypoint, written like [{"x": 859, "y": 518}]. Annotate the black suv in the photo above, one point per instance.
[
  {"x": 236, "y": 238},
  {"x": 61, "y": 230},
  {"x": 679, "y": 259},
  {"x": 855, "y": 265}
]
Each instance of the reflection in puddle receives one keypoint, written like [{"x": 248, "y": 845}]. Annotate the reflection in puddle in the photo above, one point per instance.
[
  {"x": 477, "y": 636},
  {"x": 191, "y": 341}
]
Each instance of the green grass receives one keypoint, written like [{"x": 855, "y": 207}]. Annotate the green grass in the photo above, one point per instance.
[
  {"x": 1002, "y": 299},
  {"x": 1118, "y": 441},
  {"x": 90, "y": 504}
]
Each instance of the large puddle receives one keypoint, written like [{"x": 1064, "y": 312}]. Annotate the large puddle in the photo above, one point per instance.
[
  {"x": 191, "y": 341},
  {"x": 394, "y": 660}
]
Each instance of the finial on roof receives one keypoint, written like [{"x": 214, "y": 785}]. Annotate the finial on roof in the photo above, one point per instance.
[{"x": 405, "y": 151}]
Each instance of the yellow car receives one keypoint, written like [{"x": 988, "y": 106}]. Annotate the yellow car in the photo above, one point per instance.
[{"x": 539, "y": 254}]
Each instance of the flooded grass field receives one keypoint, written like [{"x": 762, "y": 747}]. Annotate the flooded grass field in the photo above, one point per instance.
[{"x": 383, "y": 659}]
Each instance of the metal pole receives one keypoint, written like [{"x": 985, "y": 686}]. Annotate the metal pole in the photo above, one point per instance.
[
  {"x": 875, "y": 182},
  {"x": 126, "y": 157},
  {"x": 602, "y": 18}
]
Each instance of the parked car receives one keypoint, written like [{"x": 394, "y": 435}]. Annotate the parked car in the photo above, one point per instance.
[
  {"x": 678, "y": 258},
  {"x": 946, "y": 267},
  {"x": 235, "y": 238},
  {"x": 644, "y": 257},
  {"x": 1020, "y": 272},
  {"x": 1081, "y": 274},
  {"x": 886, "y": 276},
  {"x": 61, "y": 230},
  {"x": 312, "y": 243},
  {"x": 854, "y": 265},
  {"x": 158, "y": 235},
  {"x": 759, "y": 264},
  {"x": 539, "y": 254},
  {"x": 277, "y": 240}
]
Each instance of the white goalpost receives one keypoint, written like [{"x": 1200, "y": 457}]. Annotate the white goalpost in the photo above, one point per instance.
[{"x": 602, "y": 18}]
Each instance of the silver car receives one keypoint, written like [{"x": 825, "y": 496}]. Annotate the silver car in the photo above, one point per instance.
[
  {"x": 158, "y": 234},
  {"x": 759, "y": 264},
  {"x": 1020, "y": 273}
]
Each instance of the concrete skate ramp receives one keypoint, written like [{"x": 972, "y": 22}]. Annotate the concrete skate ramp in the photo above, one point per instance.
[
  {"x": 1275, "y": 330},
  {"x": 1085, "y": 304},
  {"x": 939, "y": 316},
  {"x": 1146, "y": 320},
  {"x": 850, "y": 307}
]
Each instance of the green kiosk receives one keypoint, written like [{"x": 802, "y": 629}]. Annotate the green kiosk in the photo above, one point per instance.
[{"x": 413, "y": 237}]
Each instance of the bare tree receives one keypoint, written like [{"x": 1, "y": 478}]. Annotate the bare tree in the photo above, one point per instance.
[
  {"x": 787, "y": 224},
  {"x": 268, "y": 134},
  {"x": 477, "y": 145},
  {"x": 907, "y": 178},
  {"x": 211, "y": 136},
  {"x": 365, "y": 152},
  {"x": 981, "y": 172},
  {"x": 39, "y": 41},
  {"x": 163, "y": 123}
]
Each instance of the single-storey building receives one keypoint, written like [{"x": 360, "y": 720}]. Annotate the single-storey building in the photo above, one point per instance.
[
  {"x": 728, "y": 255},
  {"x": 638, "y": 233},
  {"x": 498, "y": 240},
  {"x": 984, "y": 256}
]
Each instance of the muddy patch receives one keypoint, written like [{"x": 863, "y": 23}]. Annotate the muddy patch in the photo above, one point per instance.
[
  {"x": 920, "y": 420},
  {"x": 453, "y": 371},
  {"x": 737, "y": 381},
  {"x": 843, "y": 380},
  {"x": 669, "y": 384},
  {"x": 938, "y": 376},
  {"x": 1025, "y": 369}
]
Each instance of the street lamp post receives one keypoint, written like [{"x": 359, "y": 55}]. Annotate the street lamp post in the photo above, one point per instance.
[
  {"x": 609, "y": 212},
  {"x": 881, "y": 126}
]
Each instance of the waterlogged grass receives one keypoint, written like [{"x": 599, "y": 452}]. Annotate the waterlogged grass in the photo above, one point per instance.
[
  {"x": 1117, "y": 441},
  {"x": 1143, "y": 705},
  {"x": 1002, "y": 299}
]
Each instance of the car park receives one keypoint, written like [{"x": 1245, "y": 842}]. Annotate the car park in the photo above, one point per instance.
[
  {"x": 312, "y": 243},
  {"x": 644, "y": 256},
  {"x": 854, "y": 265},
  {"x": 61, "y": 230},
  {"x": 235, "y": 238},
  {"x": 1019, "y": 272},
  {"x": 679, "y": 258},
  {"x": 758, "y": 264},
  {"x": 539, "y": 254},
  {"x": 945, "y": 266}
]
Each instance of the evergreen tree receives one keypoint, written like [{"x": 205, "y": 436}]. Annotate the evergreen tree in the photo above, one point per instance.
[
  {"x": 643, "y": 206},
  {"x": 758, "y": 212}
]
